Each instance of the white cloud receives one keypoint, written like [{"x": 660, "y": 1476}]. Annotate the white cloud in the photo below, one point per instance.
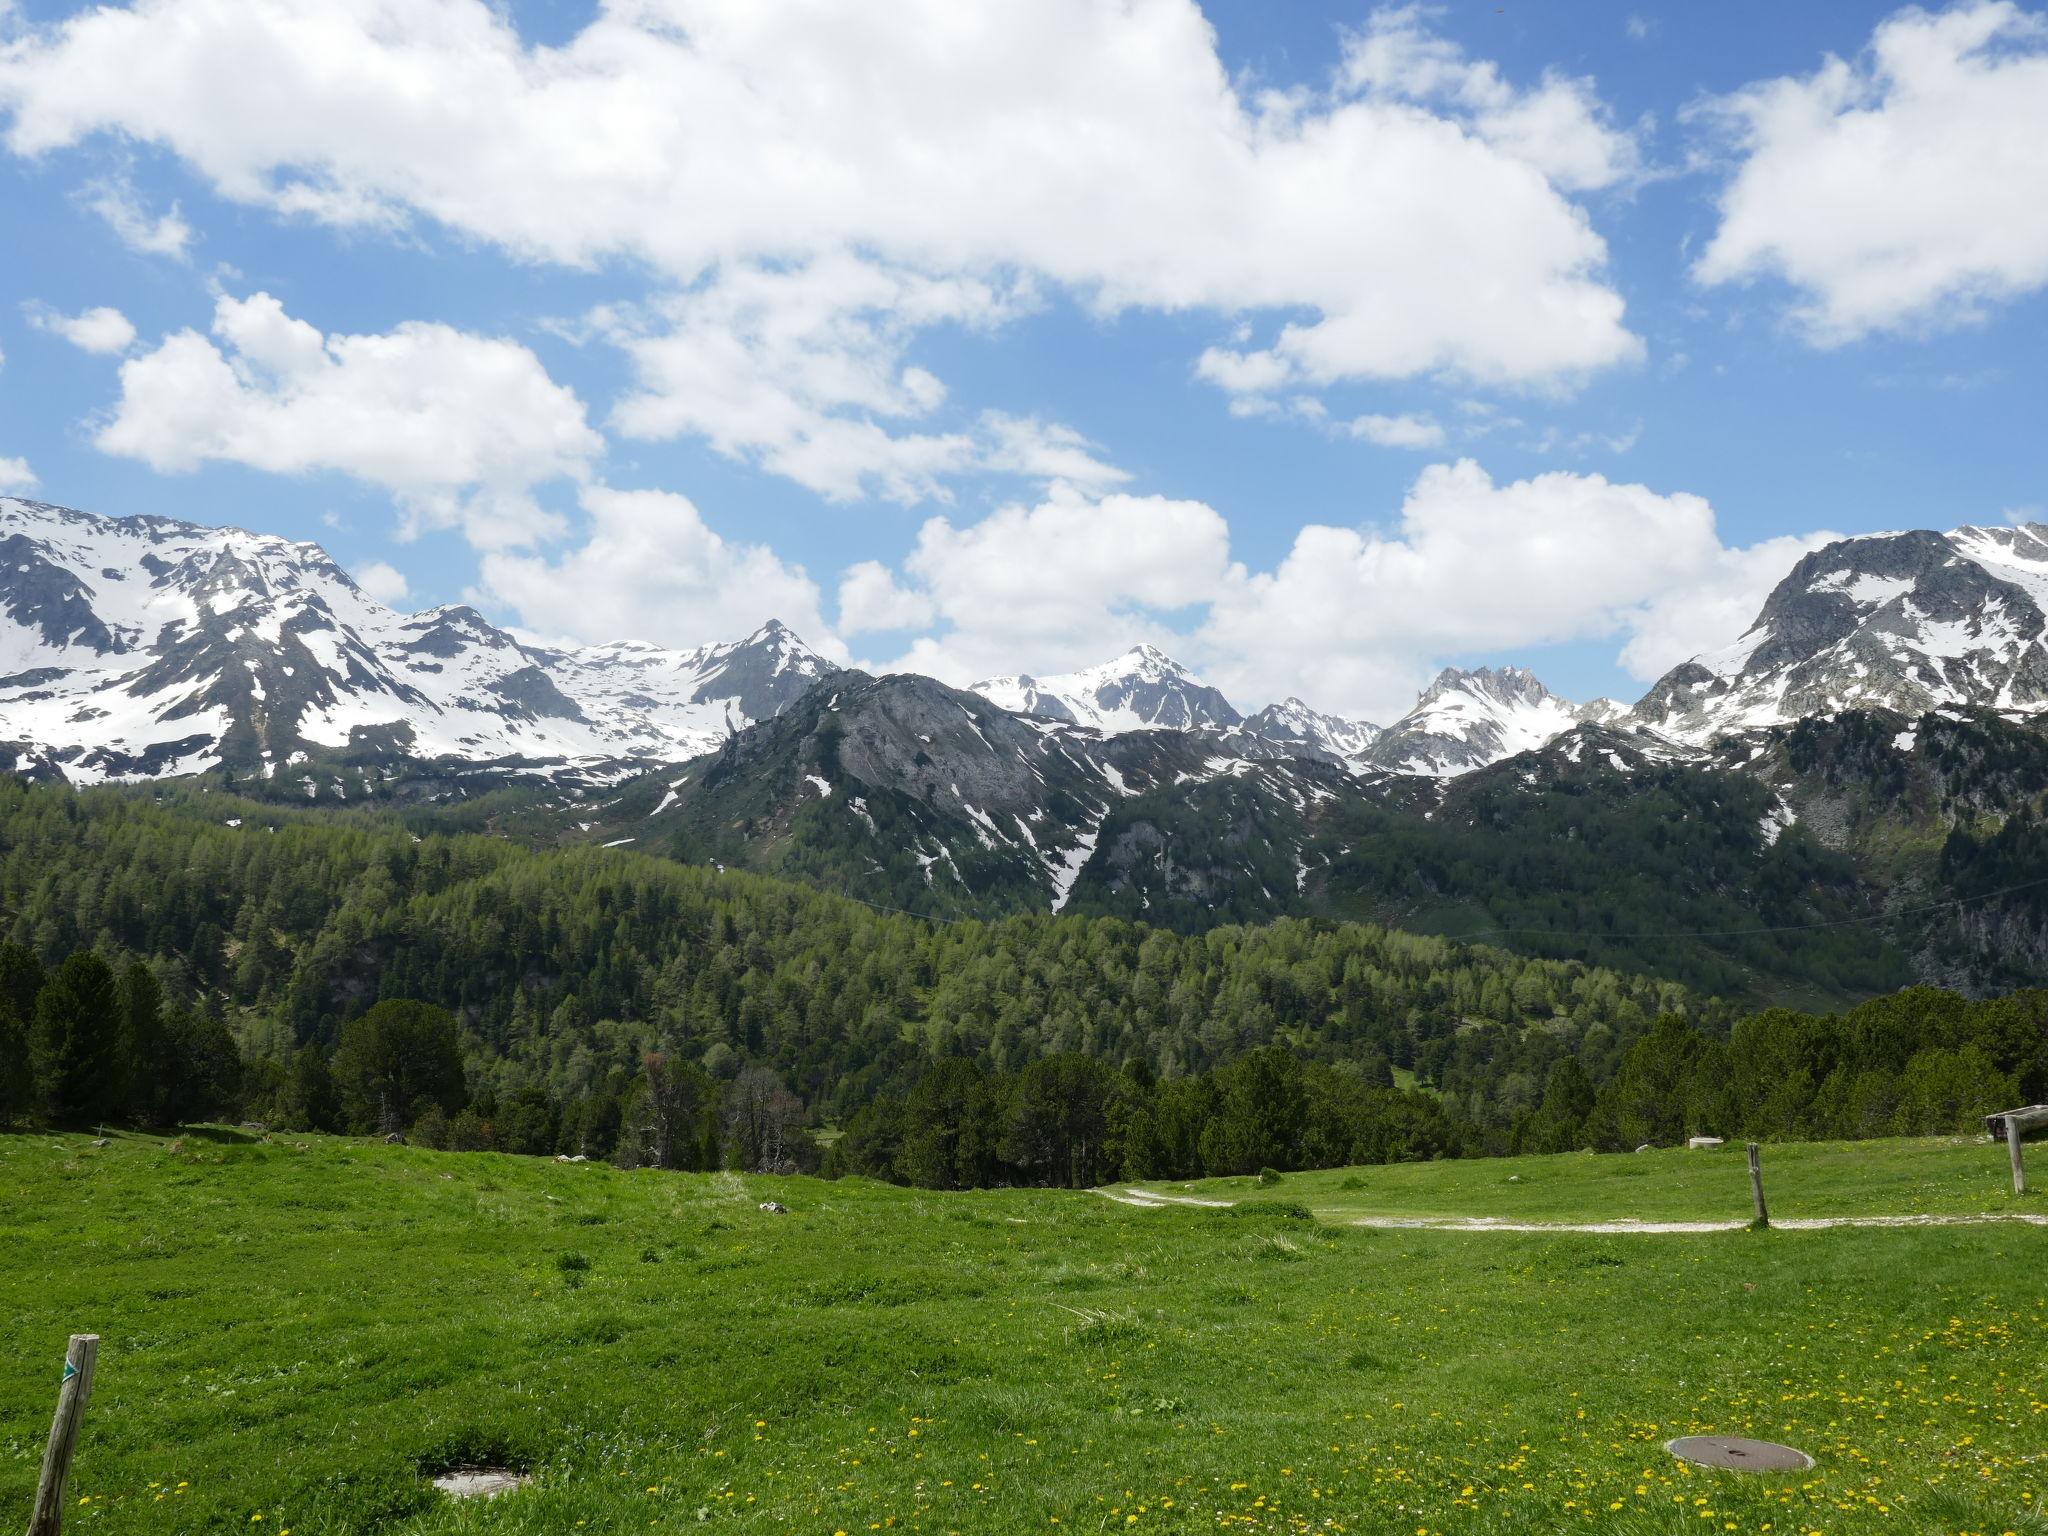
[
  {"x": 116, "y": 201},
  {"x": 1407, "y": 431},
  {"x": 1044, "y": 450},
  {"x": 103, "y": 330},
  {"x": 870, "y": 601},
  {"x": 1243, "y": 373},
  {"x": 16, "y": 476},
  {"x": 1413, "y": 216},
  {"x": 1560, "y": 126},
  {"x": 1355, "y": 619},
  {"x": 1068, "y": 581},
  {"x": 792, "y": 366},
  {"x": 459, "y": 427},
  {"x": 383, "y": 581},
  {"x": 649, "y": 567},
  {"x": 1905, "y": 188}
]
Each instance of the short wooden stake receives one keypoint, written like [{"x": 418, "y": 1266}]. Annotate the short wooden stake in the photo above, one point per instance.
[
  {"x": 2012, "y": 1146},
  {"x": 1756, "y": 1186},
  {"x": 71, "y": 1397}
]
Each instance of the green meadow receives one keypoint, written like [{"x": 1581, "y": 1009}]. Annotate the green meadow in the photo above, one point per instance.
[
  {"x": 298, "y": 1333},
  {"x": 1946, "y": 1175}
]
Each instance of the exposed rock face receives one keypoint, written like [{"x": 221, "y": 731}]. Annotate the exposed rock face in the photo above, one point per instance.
[
  {"x": 1296, "y": 729},
  {"x": 1143, "y": 689},
  {"x": 1465, "y": 720},
  {"x": 902, "y": 778},
  {"x": 1902, "y": 621}
]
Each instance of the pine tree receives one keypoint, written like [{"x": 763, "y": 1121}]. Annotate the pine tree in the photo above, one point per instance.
[
  {"x": 147, "y": 1067},
  {"x": 21, "y": 978},
  {"x": 74, "y": 1046}
]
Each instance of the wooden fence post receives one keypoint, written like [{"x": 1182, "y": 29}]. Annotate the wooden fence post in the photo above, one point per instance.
[
  {"x": 1756, "y": 1186},
  {"x": 2012, "y": 1146},
  {"x": 71, "y": 1396}
]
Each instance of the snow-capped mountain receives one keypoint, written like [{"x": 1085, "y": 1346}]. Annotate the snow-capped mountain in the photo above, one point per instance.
[
  {"x": 1466, "y": 720},
  {"x": 1600, "y": 711},
  {"x": 142, "y": 647},
  {"x": 1142, "y": 690},
  {"x": 1299, "y": 731},
  {"x": 1903, "y": 621}
]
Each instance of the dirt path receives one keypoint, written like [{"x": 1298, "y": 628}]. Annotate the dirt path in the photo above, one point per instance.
[
  {"x": 1630, "y": 1226},
  {"x": 1149, "y": 1200},
  {"x": 1152, "y": 1200}
]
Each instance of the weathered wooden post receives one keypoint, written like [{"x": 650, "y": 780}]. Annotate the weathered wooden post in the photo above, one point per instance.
[
  {"x": 2012, "y": 1147},
  {"x": 71, "y": 1395},
  {"x": 1756, "y": 1186}
]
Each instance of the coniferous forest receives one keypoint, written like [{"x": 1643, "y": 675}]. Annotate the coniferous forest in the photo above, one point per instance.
[{"x": 175, "y": 954}]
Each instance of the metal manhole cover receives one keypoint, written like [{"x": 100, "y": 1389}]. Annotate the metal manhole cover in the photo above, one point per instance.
[{"x": 1733, "y": 1454}]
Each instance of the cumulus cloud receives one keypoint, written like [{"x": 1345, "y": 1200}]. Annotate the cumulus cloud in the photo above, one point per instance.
[
  {"x": 1359, "y": 617},
  {"x": 797, "y": 367},
  {"x": 648, "y": 566},
  {"x": 459, "y": 427},
  {"x": 1905, "y": 188},
  {"x": 1063, "y": 582},
  {"x": 1560, "y": 126},
  {"x": 870, "y": 600},
  {"x": 101, "y": 330},
  {"x": 383, "y": 581},
  {"x": 1412, "y": 215},
  {"x": 1352, "y": 619},
  {"x": 16, "y": 476}
]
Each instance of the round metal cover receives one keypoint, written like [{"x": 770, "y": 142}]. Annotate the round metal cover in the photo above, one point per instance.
[{"x": 1732, "y": 1454}]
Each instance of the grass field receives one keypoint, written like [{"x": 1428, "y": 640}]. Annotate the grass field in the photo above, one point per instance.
[
  {"x": 1934, "y": 1176},
  {"x": 298, "y": 1332}
]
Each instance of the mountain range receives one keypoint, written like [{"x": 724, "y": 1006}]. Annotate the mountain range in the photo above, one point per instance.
[{"x": 1838, "y": 776}]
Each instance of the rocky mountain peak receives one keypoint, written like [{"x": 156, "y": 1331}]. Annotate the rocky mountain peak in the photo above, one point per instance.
[
  {"x": 137, "y": 647},
  {"x": 1466, "y": 719},
  {"x": 1143, "y": 689},
  {"x": 1908, "y": 621}
]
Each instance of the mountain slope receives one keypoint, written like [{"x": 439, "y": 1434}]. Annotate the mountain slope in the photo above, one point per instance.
[
  {"x": 1142, "y": 690},
  {"x": 902, "y": 791},
  {"x": 1465, "y": 720},
  {"x": 1901, "y": 621},
  {"x": 141, "y": 647},
  {"x": 1293, "y": 727}
]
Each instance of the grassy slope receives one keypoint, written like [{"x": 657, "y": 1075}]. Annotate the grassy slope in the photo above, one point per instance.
[
  {"x": 296, "y": 1329},
  {"x": 1933, "y": 1176}
]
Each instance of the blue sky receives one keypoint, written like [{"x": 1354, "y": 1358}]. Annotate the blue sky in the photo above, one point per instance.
[{"x": 1560, "y": 329}]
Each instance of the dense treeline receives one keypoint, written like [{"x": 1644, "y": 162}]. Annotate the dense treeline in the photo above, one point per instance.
[
  {"x": 565, "y": 968},
  {"x": 1076, "y": 1121},
  {"x": 178, "y": 954},
  {"x": 1920, "y": 1062},
  {"x": 80, "y": 1045}
]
